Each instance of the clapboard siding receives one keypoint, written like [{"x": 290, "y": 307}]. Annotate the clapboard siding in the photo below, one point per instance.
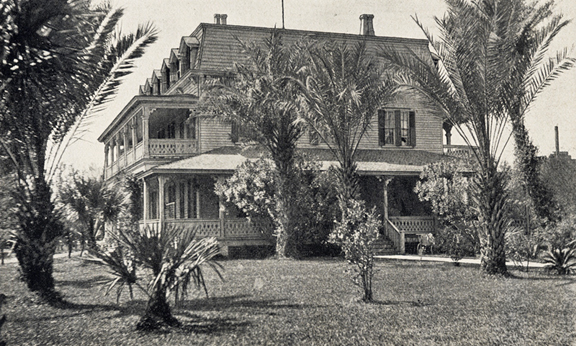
[
  {"x": 428, "y": 128},
  {"x": 214, "y": 133}
]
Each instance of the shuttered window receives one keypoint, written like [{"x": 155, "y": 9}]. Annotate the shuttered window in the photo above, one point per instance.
[{"x": 396, "y": 127}]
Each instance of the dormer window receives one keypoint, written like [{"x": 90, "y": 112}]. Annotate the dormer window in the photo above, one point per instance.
[{"x": 396, "y": 127}]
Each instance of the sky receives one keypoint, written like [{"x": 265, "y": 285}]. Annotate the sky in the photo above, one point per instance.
[{"x": 556, "y": 106}]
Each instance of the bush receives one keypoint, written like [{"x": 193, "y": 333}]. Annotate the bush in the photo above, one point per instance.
[
  {"x": 175, "y": 256},
  {"x": 355, "y": 234},
  {"x": 561, "y": 261},
  {"x": 455, "y": 242}
]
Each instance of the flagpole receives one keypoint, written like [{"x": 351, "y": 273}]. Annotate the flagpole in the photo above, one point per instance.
[{"x": 282, "y": 14}]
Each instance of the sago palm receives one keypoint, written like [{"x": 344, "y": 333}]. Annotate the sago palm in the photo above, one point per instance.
[
  {"x": 58, "y": 62},
  {"x": 491, "y": 65},
  {"x": 174, "y": 256}
]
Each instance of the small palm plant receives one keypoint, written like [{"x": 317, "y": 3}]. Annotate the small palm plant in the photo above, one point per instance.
[
  {"x": 561, "y": 261},
  {"x": 176, "y": 258}
]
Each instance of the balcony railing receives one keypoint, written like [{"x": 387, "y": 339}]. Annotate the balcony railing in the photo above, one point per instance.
[
  {"x": 156, "y": 148},
  {"x": 463, "y": 151},
  {"x": 172, "y": 147}
]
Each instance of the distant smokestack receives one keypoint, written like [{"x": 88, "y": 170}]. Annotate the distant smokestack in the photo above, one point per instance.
[
  {"x": 366, "y": 25},
  {"x": 557, "y": 137}
]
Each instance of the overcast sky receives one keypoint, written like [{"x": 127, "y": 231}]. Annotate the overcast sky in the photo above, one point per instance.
[{"x": 177, "y": 18}]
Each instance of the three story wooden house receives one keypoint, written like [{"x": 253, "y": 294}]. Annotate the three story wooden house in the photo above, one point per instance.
[{"x": 162, "y": 138}]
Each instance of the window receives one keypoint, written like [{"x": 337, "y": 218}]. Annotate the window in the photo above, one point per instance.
[
  {"x": 191, "y": 128},
  {"x": 396, "y": 127},
  {"x": 235, "y": 132},
  {"x": 314, "y": 137}
]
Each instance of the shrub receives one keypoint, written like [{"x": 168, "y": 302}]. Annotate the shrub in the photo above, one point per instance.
[
  {"x": 355, "y": 234},
  {"x": 561, "y": 261},
  {"x": 175, "y": 256}
]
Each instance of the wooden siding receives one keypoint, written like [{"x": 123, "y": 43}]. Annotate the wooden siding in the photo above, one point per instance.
[
  {"x": 428, "y": 129},
  {"x": 213, "y": 133}
]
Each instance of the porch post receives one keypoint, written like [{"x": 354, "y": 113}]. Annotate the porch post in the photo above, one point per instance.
[
  {"x": 386, "y": 181},
  {"x": 186, "y": 198},
  {"x": 221, "y": 210},
  {"x": 146, "y": 201},
  {"x": 161, "y": 202},
  {"x": 146, "y": 131},
  {"x": 178, "y": 192},
  {"x": 134, "y": 138}
]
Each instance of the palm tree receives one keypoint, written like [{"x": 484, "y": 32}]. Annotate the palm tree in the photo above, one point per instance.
[
  {"x": 262, "y": 101},
  {"x": 342, "y": 91},
  {"x": 175, "y": 257},
  {"x": 89, "y": 204},
  {"x": 491, "y": 67},
  {"x": 60, "y": 61}
]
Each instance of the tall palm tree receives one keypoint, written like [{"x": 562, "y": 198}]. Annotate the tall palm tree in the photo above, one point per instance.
[
  {"x": 262, "y": 101},
  {"x": 342, "y": 91},
  {"x": 491, "y": 67},
  {"x": 60, "y": 61}
]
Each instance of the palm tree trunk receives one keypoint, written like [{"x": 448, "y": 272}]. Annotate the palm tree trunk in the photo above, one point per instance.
[
  {"x": 158, "y": 312},
  {"x": 490, "y": 199},
  {"x": 36, "y": 243}
]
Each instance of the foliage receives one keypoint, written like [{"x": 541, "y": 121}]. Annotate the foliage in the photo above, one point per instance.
[
  {"x": 252, "y": 188},
  {"x": 561, "y": 261},
  {"x": 175, "y": 256},
  {"x": 88, "y": 203},
  {"x": 559, "y": 175},
  {"x": 65, "y": 60},
  {"x": 342, "y": 91},
  {"x": 355, "y": 234},
  {"x": 491, "y": 68},
  {"x": 447, "y": 189},
  {"x": 262, "y": 102}
]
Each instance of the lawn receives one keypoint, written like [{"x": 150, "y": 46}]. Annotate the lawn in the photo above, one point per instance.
[{"x": 310, "y": 302}]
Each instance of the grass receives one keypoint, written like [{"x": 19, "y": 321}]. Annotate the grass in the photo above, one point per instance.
[{"x": 311, "y": 302}]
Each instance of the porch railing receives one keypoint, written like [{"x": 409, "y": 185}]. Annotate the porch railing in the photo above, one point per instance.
[
  {"x": 414, "y": 224},
  {"x": 396, "y": 235},
  {"x": 220, "y": 228}
]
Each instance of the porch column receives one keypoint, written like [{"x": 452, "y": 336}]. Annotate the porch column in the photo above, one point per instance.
[
  {"x": 134, "y": 138},
  {"x": 386, "y": 180},
  {"x": 124, "y": 132},
  {"x": 146, "y": 130},
  {"x": 146, "y": 201},
  {"x": 186, "y": 198},
  {"x": 178, "y": 192},
  {"x": 221, "y": 209},
  {"x": 161, "y": 202}
]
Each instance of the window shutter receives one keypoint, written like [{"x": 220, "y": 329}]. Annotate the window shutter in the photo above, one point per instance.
[
  {"x": 412, "y": 124},
  {"x": 381, "y": 127},
  {"x": 398, "y": 128}
]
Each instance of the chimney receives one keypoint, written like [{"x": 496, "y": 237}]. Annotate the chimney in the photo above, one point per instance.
[
  {"x": 220, "y": 19},
  {"x": 366, "y": 26},
  {"x": 557, "y": 137}
]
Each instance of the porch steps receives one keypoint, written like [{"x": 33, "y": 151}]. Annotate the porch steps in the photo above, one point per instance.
[{"x": 383, "y": 246}]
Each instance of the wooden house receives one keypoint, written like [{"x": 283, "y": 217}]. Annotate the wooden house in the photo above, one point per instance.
[{"x": 162, "y": 138}]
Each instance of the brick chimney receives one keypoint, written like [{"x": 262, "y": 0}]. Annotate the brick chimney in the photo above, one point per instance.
[
  {"x": 366, "y": 26},
  {"x": 220, "y": 18}
]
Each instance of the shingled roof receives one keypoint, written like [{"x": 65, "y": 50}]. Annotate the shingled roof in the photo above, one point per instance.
[
  {"x": 370, "y": 162},
  {"x": 220, "y": 45}
]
